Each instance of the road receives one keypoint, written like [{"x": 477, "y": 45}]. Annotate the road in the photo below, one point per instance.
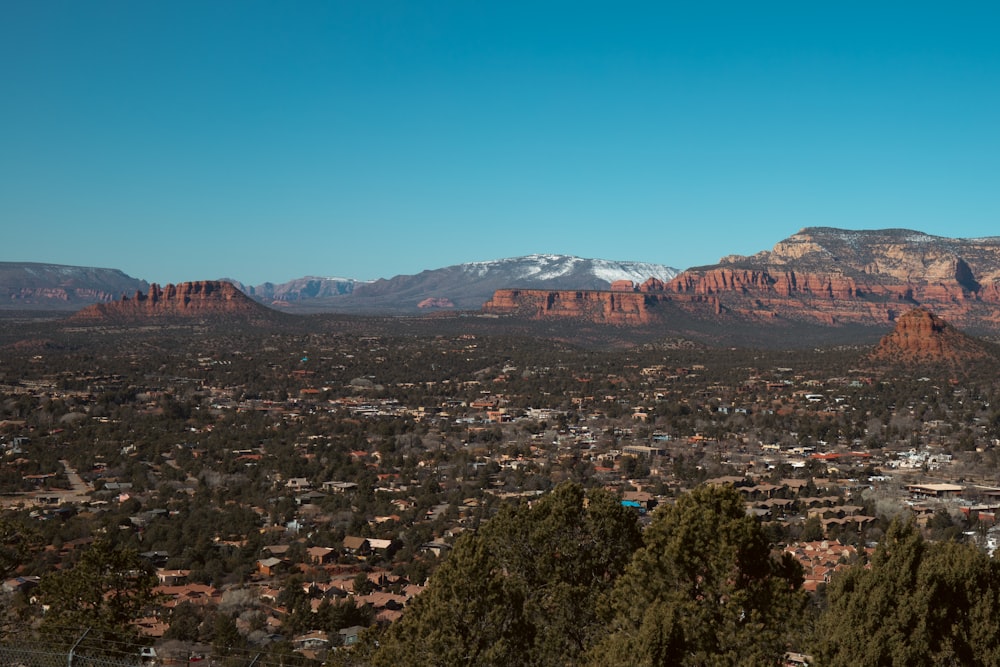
[{"x": 77, "y": 493}]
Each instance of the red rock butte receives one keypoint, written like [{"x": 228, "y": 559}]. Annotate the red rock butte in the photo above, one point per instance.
[
  {"x": 203, "y": 298},
  {"x": 920, "y": 337}
]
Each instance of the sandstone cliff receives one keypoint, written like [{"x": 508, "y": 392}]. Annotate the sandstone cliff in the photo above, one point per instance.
[
  {"x": 201, "y": 299},
  {"x": 618, "y": 308},
  {"x": 819, "y": 275}
]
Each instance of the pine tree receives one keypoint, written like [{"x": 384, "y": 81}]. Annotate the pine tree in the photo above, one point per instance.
[
  {"x": 704, "y": 590},
  {"x": 523, "y": 591},
  {"x": 104, "y": 591},
  {"x": 919, "y": 603}
]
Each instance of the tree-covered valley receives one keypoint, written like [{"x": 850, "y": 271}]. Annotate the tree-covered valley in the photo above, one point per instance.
[{"x": 374, "y": 492}]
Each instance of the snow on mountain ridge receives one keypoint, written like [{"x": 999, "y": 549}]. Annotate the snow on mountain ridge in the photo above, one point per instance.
[
  {"x": 551, "y": 267},
  {"x": 637, "y": 272}
]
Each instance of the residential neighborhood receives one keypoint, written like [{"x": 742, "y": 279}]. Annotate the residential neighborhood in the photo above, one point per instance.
[{"x": 299, "y": 489}]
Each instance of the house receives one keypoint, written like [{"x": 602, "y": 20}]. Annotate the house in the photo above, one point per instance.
[
  {"x": 436, "y": 548},
  {"x": 321, "y": 555},
  {"x": 935, "y": 490},
  {"x": 308, "y": 498},
  {"x": 642, "y": 500},
  {"x": 200, "y": 594},
  {"x": 381, "y": 547},
  {"x": 269, "y": 567},
  {"x": 151, "y": 627},
  {"x": 312, "y": 641},
  {"x": 349, "y": 636},
  {"x": 797, "y": 659},
  {"x": 356, "y": 546},
  {"x": 382, "y": 600},
  {"x": 20, "y": 584},
  {"x": 339, "y": 487},
  {"x": 172, "y": 577},
  {"x": 276, "y": 550}
]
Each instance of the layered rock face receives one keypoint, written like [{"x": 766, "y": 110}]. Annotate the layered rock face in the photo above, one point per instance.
[
  {"x": 920, "y": 337},
  {"x": 820, "y": 275},
  {"x": 618, "y": 308},
  {"x": 192, "y": 299}
]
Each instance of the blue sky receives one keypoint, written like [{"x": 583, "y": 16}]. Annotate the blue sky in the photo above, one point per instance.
[{"x": 265, "y": 141}]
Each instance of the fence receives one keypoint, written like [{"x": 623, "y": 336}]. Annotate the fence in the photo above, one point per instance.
[
  {"x": 40, "y": 656},
  {"x": 83, "y": 651}
]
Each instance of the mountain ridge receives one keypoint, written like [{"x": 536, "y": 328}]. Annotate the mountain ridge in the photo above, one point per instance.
[
  {"x": 459, "y": 286},
  {"x": 38, "y": 285},
  {"x": 818, "y": 275},
  {"x": 59, "y": 287}
]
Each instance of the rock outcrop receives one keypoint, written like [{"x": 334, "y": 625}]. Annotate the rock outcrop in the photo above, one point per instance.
[
  {"x": 201, "y": 299},
  {"x": 604, "y": 307},
  {"x": 818, "y": 276},
  {"x": 920, "y": 337}
]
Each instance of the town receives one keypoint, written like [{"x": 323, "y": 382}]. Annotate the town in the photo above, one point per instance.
[{"x": 292, "y": 489}]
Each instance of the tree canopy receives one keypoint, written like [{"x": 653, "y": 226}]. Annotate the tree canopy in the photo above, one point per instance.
[
  {"x": 704, "y": 590},
  {"x": 104, "y": 591},
  {"x": 524, "y": 590},
  {"x": 919, "y": 603}
]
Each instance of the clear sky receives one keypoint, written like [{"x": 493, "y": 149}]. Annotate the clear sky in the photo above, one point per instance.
[{"x": 265, "y": 141}]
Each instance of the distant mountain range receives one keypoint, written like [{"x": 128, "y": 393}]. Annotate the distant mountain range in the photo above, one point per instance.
[
  {"x": 31, "y": 286},
  {"x": 820, "y": 275},
  {"x": 820, "y": 284},
  {"x": 460, "y": 287},
  {"x": 34, "y": 286}
]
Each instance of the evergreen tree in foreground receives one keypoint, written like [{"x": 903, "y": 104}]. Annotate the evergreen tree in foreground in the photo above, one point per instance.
[
  {"x": 103, "y": 592},
  {"x": 704, "y": 590},
  {"x": 524, "y": 590},
  {"x": 919, "y": 603}
]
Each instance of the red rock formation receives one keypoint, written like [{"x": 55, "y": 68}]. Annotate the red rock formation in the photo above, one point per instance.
[
  {"x": 825, "y": 276},
  {"x": 193, "y": 299},
  {"x": 618, "y": 308},
  {"x": 922, "y": 338}
]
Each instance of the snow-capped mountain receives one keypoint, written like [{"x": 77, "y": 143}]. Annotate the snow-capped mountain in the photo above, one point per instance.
[
  {"x": 554, "y": 267},
  {"x": 461, "y": 286}
]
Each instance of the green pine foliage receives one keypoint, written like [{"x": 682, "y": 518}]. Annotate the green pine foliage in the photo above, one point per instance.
[
  {"x": 103, "y": 592},
  {"x": 524, "y": 590},
  {"x": 918, "y": 604},
  {"x": 704, "y": 590}
]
